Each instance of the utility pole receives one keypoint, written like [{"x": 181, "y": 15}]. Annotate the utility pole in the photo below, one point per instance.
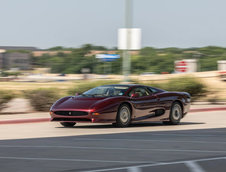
[{"x": 126, "y": 53}]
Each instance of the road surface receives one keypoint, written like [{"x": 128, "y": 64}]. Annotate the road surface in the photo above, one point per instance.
[{"x": 197, "y": 145}]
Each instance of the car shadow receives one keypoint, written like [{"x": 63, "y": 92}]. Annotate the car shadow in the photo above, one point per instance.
[{"x": 140, "y": 124}]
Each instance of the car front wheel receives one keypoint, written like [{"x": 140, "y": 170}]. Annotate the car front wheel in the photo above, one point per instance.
[{"x": 68, "y": 124}]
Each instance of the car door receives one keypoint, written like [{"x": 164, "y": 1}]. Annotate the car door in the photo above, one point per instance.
[{"x": 144, "y": 105}]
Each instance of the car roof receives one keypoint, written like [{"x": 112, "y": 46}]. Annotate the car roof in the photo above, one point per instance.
[
  {"x": 124, "y": 85},
  {"x": 133, "y": 85}
]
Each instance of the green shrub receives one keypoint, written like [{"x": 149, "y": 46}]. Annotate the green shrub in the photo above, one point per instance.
[
  {"x": 5, "y": 74},
  {"x": 187, "y": 84},
  {"x": 5, "y": 97},
  {"x": 42, "y": 99},
  {"x": 84, "y": 86},
  {"x": 183, "y": 84}
]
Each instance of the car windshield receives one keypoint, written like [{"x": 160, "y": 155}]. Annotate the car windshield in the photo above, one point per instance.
[{"x": 106, "y": 91}]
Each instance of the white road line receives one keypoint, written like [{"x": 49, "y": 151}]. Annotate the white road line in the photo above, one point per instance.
[
  {"x": 184, "y": 135},
  {"x": 72, "y": 160},
  {"x": 150, "y": 140},
  {"x": 117, "y": 148},
  {"x": 209, "y": 159},
  {"x": 157, "y": 164},
  {"x": 194, "y": 166},
  {"x": 134, "y": 169}
]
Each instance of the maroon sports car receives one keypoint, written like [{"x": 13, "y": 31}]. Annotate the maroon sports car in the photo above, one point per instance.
[{"x": 121, "y": 105}]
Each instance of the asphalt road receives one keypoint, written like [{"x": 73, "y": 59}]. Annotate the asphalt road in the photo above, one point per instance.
[{"x": 199, "y": 150}]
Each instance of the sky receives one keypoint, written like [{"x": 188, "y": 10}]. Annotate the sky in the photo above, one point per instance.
[{"x": 72, "y": 23}]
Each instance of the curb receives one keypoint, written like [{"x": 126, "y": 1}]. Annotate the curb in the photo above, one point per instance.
[
  {"x": 207, "y": 109},
  {"x": 20, "y": 121}
]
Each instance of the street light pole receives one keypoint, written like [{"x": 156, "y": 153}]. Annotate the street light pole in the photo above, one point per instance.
[{"x": 126, "y": 53}]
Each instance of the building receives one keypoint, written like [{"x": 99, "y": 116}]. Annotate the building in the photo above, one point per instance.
[
  {"x": 16, "y": 60},
  {"x": 1, "y": 61},
  {"x": 15, "y": 57},
  {"x": 18, "y": 48}
]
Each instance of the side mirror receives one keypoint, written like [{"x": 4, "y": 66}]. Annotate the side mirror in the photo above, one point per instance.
[{"x": 135, "y": 95}]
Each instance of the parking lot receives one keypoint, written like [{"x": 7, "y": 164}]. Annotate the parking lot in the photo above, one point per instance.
[{"x": 197, "y": 145}]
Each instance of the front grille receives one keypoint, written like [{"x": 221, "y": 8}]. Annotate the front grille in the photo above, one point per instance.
[
  {"x": 71, "y": 113},
  {"x": 72, "y": 119}
]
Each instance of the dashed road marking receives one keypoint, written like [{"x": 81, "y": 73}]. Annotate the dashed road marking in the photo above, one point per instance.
[
  {"x": 134, "y": 169},
  {"x": 194, "y": 166},
  {"x": 157, "y": 164}
]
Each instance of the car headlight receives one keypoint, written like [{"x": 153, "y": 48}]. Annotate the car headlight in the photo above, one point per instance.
[{"x": 95, "y": 113}]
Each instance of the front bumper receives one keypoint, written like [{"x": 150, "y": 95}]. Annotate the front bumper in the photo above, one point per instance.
[
  {"x": 186, "y": 109},
  {"x": 85, "y": 118}
]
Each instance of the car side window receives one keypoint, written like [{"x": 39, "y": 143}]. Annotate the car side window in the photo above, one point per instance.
[
  {"x": 140, "y": 91},
  {"x": 152, "y": 90}
]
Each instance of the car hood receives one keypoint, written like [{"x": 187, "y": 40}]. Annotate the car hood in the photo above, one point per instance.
[{"x": 77, "y": 102}]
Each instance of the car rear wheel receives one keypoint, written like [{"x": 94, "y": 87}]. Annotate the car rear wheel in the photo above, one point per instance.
[
  {"x": 175, "y": 114},
  {"x": 68, "y": 124},
  {"x": 124, "y": 116}
]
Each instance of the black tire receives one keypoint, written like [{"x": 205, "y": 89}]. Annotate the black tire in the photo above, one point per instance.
[
  {"x": 176, "y": 114},
  {"x": 114, "y": 124},
  {"x": 68, "y": 124},
  {"x": 123, "y": 116},
  {"x": 166, "y": 122}
]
